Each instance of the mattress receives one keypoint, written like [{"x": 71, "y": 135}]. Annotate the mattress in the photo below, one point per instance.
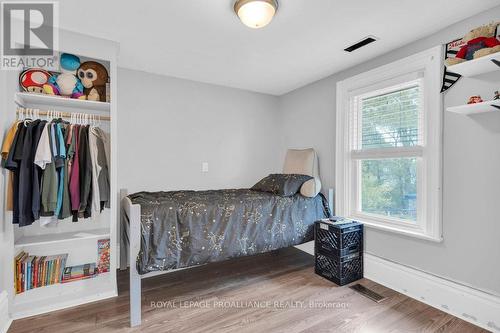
[{"x": 188, "y": 228}]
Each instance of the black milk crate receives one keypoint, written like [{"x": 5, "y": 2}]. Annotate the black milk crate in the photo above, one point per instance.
[
  {"x": 338, "y": 239},
  {"x": 340, "y": 270}
]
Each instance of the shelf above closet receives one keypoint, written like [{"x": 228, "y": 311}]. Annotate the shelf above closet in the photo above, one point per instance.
[
  {"x": 61, "y": 237},
  {"x": 31, "y": 100},
  {"x": 478, "y": 66},
  {"x": 476, "y": 108}
]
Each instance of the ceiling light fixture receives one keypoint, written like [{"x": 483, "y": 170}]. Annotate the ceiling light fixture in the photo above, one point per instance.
[{"x": 255, "y": 13}]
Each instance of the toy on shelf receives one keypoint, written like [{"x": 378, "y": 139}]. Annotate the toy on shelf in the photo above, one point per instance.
[
  {"x": 32, "y": 80},
  {"x": 475, "y": 99},
  {"x": 478, "y": 42},
  {"x": 94, "y": 77},
  {"x": 66, "y": 83}
]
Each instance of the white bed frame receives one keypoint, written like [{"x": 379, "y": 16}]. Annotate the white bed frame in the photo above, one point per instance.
[
  {"x": 302, "y": 161},
  {"x": 129, "y": 252}
]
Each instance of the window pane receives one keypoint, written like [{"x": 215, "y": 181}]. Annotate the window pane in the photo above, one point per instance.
[
  {"x": 389, "y": 187},
  {"x": 391, "y": 120}
]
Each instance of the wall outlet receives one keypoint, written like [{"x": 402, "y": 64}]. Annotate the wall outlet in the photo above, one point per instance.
[{"x": 204, "y": 167}]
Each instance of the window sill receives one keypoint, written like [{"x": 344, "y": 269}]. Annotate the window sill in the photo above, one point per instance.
[{"x": 397, "y": 230}]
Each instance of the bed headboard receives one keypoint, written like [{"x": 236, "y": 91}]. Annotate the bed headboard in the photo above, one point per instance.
[{"x": 304, "y": 162}]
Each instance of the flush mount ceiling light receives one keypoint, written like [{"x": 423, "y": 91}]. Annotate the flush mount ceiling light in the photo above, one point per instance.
[{"x": 255, "y": 13}]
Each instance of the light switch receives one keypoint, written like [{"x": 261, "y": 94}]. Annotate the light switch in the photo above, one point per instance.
[{"x": 204, "y": 167}]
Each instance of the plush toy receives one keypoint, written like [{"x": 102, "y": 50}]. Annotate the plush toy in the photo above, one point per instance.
[
  {"x": 475, "y": 99},
  {"x": 94, "y": 77},
  {"x": 66, "y": 83},
  {"x": 33, "y": 79},
  {"x": 479, "y": 42}
]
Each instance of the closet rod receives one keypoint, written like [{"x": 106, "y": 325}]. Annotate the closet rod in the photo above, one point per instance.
[{"x": 69, "y": 114}]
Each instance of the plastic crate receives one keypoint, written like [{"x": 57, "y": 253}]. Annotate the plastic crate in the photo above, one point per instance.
[
  {"x": 338, "y": 239},
  {"x": 340, "y": 270}
]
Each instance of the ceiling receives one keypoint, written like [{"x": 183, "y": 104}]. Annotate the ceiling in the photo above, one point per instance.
[{"x": 203, "y": 40}]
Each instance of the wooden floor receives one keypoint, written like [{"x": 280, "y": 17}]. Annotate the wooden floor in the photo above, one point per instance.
[{"x": 306, "y": 303}]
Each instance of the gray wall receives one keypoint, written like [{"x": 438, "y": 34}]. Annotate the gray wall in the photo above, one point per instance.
[
  {"x": 168, "y": 127},
  {"x": 470, "y": 251}
]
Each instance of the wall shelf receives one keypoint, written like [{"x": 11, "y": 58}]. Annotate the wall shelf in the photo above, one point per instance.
[
  {"x": 476, "y": 108},
  {"x": 32, "y": 100},
  {"x": 61, "y": 237},
  {"x": 478, "y": 66}
]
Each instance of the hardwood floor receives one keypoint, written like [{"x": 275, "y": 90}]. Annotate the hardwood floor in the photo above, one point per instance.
[{"x": 298, "y": 301}]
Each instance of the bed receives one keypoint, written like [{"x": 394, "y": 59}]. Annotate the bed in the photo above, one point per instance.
[{"x": 166, "y": 231}]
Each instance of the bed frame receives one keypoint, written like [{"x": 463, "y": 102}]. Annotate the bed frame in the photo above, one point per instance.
[
  {"x": 302, "y": 161},
  {"x": 133, "y": 230}
]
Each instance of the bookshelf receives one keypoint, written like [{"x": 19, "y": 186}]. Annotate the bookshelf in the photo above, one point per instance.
[{"x": 78, "y": 240}]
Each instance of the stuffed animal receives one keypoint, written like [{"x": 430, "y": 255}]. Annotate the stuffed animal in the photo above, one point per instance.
[
  {"x": 475, "y": 99},
  {"x": 94, "y": 77},
  {"x": 479, "y": 42},
  {"x": 33, "y": 79},
  {"x": 66, "y": 83}
]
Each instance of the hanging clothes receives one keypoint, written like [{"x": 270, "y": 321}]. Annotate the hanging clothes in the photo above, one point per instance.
[
  {"x": 6, "y": 146},
  {"x": 56, "y": 169},
  {"x": 100, "y": 172},
  {"x": 74, "y": 183},
  {"x": 66, "y": 201},
  {"x": 85, "y": 173}
]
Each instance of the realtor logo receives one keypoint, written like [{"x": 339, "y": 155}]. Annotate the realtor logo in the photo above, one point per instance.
[{"x": 29, "y": 34}]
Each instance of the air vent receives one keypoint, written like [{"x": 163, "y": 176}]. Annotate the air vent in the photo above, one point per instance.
[{"x": 361, "y": 43}]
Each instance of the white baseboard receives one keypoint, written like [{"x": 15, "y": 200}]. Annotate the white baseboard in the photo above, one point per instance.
[
  {"x": 5, "y": 319},
  {"x": 477, "y": 307}
]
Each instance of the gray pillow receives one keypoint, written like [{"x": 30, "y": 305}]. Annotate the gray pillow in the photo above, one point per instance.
[{"x": 282, "y": 184}]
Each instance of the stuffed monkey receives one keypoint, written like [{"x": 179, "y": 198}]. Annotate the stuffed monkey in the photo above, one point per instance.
[{"x": 94, "y": 77}]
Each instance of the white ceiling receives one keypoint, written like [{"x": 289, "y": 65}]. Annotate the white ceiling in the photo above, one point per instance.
[{"x": 203, "y": 40}]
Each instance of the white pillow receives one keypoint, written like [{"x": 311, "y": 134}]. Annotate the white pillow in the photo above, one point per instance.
[{"x": 311, "y": 188}]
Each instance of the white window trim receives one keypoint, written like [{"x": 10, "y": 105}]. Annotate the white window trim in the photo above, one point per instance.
[{"x": 429, "y": 63}]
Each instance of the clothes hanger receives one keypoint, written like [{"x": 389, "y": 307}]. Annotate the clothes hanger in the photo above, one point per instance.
[{"x": 29, "y": 117}]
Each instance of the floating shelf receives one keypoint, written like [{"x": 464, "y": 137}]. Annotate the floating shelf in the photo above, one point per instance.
[
  {"x": 32, "y": 99},
  {"x": 61, "y": 237},
  {"x": 471, "y": 109},
  {"x": 477, "y": 66}
]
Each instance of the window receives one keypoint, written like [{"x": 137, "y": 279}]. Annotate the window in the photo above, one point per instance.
[{"x": 389, "y": 146}]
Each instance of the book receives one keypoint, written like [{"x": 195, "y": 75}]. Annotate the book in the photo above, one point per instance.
[
  {"x": 28, "y": 272},
  {"x": 18, "y": 273},
  {"x": 103, "y": 255},
  {"x": 79, "y": 272}
]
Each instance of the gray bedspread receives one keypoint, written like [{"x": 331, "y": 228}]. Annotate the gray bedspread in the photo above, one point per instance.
[{"x": 187, "y": 228}]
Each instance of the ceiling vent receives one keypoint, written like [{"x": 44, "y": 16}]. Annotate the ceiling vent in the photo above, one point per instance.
[{"x": 365, "y": 41}]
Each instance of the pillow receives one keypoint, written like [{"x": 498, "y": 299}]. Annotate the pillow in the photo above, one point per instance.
[
  {"x": 311, "y": 188},
  {"x": 281, "y": 184}
]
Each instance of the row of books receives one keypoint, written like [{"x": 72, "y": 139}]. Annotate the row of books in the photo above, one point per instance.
[{"x": 37, "y": 271}]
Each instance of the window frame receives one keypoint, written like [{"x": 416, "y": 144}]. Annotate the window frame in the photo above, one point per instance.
[{"x": 425, "y": 66}]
